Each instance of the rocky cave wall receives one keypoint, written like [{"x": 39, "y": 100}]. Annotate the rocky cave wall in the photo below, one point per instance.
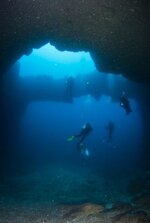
[{"x": 116, "y": 32}]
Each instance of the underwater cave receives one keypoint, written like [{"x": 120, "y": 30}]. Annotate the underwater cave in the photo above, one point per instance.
[{"x": 65, "y": 67}]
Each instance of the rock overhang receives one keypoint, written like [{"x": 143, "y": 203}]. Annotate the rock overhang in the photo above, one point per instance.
[{"x": 115, "y": 32}]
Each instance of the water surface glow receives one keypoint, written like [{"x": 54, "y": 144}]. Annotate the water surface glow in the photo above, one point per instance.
[{"x": 49, "y": 61}]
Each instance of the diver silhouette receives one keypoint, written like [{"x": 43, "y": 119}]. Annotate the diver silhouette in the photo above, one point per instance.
[
  {"x": 124, "y": 103},
  {"x": 110, "y": 128},
  {"x": 85, "y": 131},
  {"x": 69, "y": 88}
]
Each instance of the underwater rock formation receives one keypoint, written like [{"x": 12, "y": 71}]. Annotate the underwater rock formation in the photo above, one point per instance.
[
  {"x": 121, "y": 207},
  {"x": 138, "y": 217},
  {"x": 78, "y": 212},
  {"x": 115, "y": 32},
  {"x": 58, "y": 214},
  {"x": 18, "y": 202},
  {"x": 142, "y": 200}
]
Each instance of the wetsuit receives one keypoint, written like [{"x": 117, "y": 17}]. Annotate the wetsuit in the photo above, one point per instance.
[
  {"x": 83, "y": 134},
  {"x": 125, "y": 104}
]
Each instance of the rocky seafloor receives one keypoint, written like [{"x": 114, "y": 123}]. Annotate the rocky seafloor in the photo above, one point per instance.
[{"x": 67, "y": 195}]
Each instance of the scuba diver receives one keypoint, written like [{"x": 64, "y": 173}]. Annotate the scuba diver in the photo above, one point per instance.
[
  {"x": 124, "y": 103},
  {"x": 69, "y": 88},
  {"x": 110, "y": 128},
  {"x": 85, "y": 131}
]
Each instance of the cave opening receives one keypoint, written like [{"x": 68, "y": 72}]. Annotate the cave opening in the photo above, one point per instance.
[
  {"x": 49, "y": 61},
  {"x": 46, "y": 173},
  {"x": 48, "y": 76},
  {"x": 48, "y": 97}
]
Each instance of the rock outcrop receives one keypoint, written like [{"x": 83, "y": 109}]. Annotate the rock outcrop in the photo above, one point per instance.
[{"x": 115, "y": 32}]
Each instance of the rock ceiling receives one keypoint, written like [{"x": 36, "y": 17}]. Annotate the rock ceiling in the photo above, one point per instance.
[{"x": 115, "y": 32}]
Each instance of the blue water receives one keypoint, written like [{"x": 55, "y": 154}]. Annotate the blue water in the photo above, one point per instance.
[
  {"x": 48, "y": 60},
  {"x": 48, "y": 124},
  {"x": 50, "y": 164}
]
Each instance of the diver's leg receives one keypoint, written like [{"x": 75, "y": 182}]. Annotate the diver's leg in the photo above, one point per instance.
[
  {"x": 82, "y": 138},
  {"x": 80, "y": 147},
  {"x": 128, "y": 110}
]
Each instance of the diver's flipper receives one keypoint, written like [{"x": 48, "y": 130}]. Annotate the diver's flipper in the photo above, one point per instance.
[{"x": 71, "y": 138}]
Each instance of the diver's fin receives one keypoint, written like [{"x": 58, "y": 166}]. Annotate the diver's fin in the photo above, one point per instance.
[{"x": 70, "y": 138}]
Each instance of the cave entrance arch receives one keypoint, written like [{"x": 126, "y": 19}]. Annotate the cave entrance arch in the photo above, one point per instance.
[
  {"x": 93, "y": 83},
  {"x": 49, "y": 61}
]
